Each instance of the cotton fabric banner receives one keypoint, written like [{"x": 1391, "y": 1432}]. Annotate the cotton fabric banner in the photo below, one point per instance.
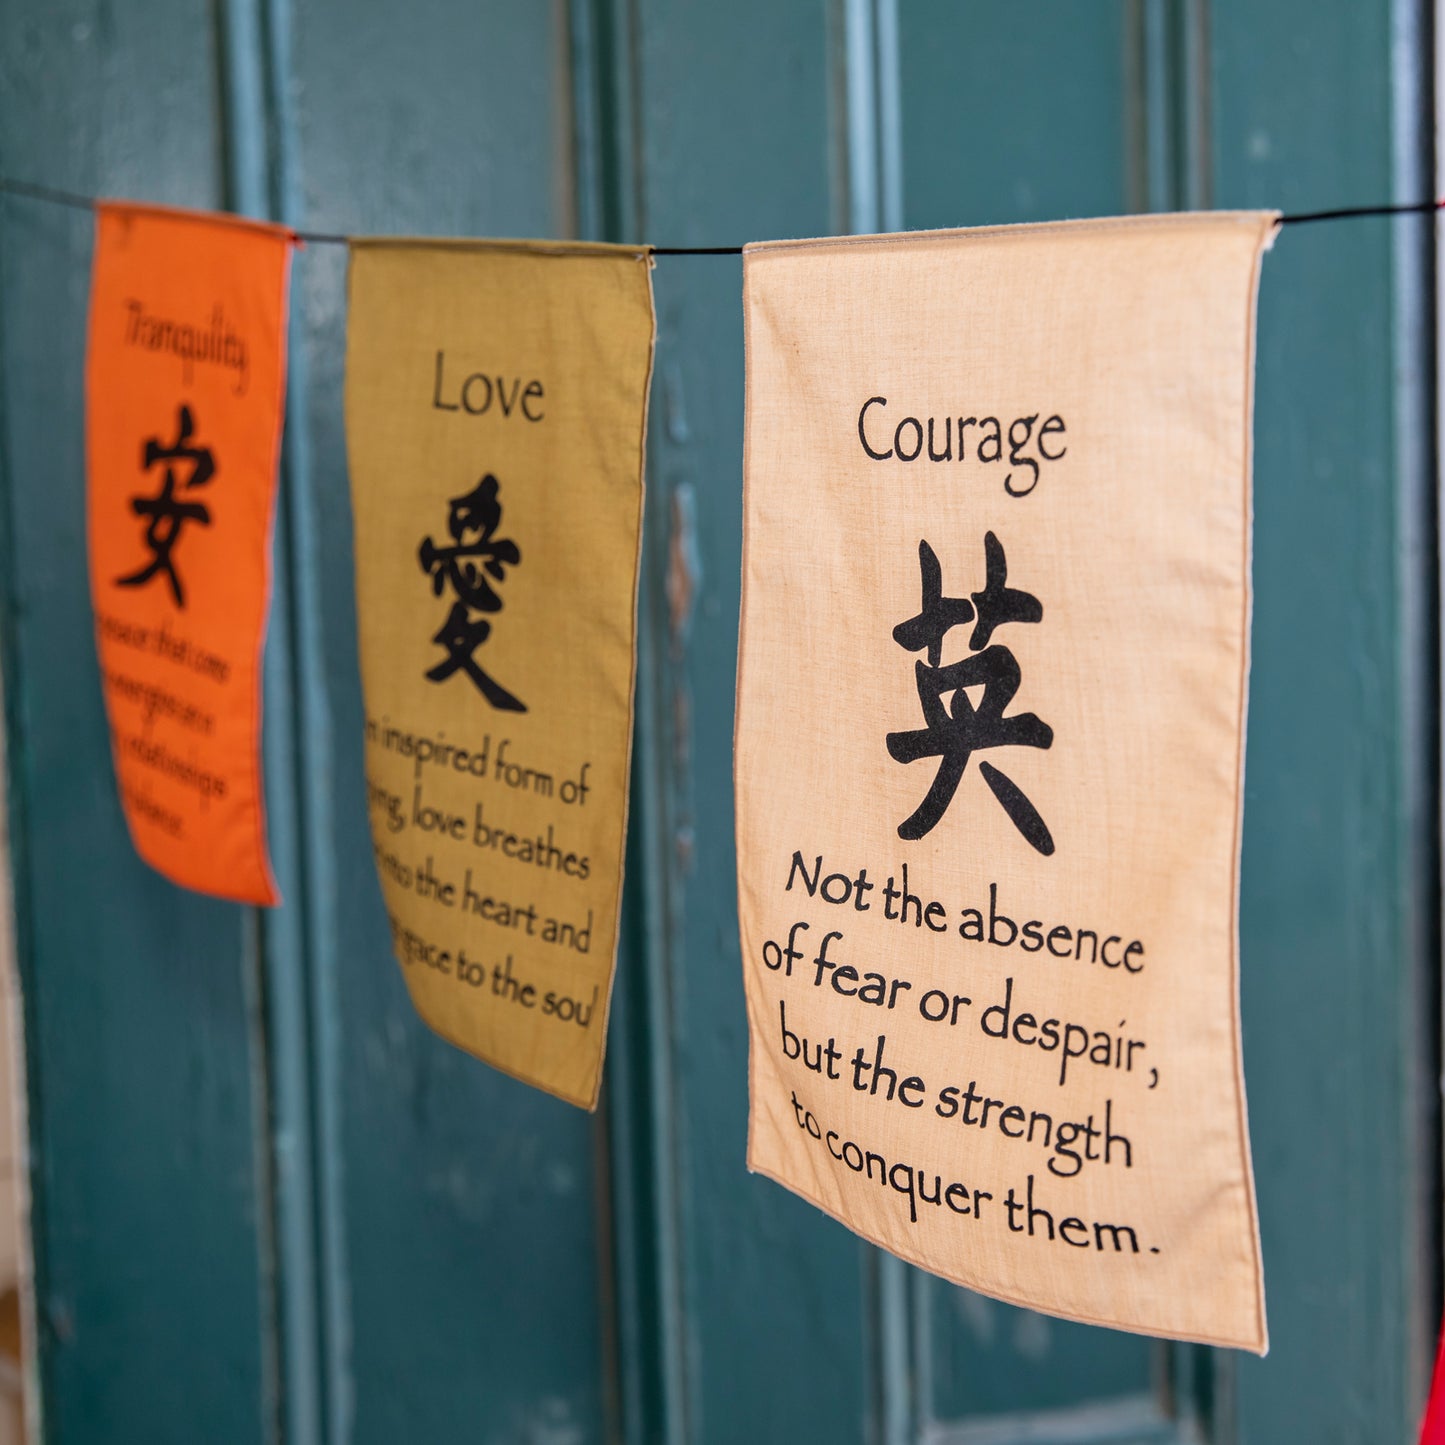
[
  {"x": 496, "y": 400},
  {"x": 185, "y": 380},
  {"x": 989, "y": 744}
]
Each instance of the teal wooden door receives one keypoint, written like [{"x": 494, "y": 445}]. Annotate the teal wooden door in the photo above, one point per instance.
[{"x": 268, "y": 1205}]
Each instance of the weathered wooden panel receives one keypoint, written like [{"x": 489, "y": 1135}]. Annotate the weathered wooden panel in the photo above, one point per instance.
[
  {"x": 1339, "y": 890},
  {"x": 460, "y": 1233},
  {"x": 732, "y": 119},
  {"x": 151, "y": 1228},
  {"x": 1015, "y": 113}
]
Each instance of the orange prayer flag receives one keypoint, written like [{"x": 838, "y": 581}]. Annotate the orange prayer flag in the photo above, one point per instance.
[{"x": 185, "y": 380}]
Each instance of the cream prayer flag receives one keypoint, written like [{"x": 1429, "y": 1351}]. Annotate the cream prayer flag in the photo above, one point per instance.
[
  {"x": 496, "y": 399},
  {"x": 989, "y": 755}
]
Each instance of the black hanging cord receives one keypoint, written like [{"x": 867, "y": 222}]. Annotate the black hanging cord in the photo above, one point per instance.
[
  {"x": 1298, "y": 218},
  {"x": 696, "y": 250},
  {"x": 331, "y": 238},
  {"x": 47, "y": 193},
  {"x": 1417, "y": 208}
]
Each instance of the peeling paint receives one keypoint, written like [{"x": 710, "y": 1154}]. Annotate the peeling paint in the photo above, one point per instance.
[
  {"x": 978, "y": 1314},
  {"x": 674, "y": 413},
  {"x": 551, "y": 1421},
  {"x": 684, "y": 566},
  {"x": 1032, "y": 1336},
  {"x": 683, "y": 584}
]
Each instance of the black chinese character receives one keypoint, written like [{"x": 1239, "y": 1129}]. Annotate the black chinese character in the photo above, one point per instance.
[
  {"x": 470, "y": 565},
  {"x": 167, "y": 515},
  {"x": 954, "y": 731}
]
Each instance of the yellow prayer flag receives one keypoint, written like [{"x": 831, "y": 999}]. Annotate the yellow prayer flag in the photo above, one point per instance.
[{"x": 496, "y": 399}]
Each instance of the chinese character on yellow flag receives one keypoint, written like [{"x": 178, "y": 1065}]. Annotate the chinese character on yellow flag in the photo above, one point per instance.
[
  {"x": 496, "y": 399},
  {"x": 185, "y": 385},
  {"x": 989, "y": 755}
]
